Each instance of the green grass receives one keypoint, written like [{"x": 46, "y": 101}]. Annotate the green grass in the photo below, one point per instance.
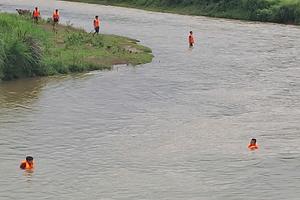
[
  {"x": 279, "y": 11},
  {"x": 28, "y": 50}
]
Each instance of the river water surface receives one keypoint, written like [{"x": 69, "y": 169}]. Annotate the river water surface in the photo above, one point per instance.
[{"x": 176, "y": 128}]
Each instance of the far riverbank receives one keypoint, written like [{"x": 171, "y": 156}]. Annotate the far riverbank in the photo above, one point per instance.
[{"x": 277, "y": 11}]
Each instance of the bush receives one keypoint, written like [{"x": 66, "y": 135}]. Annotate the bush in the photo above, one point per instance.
[
  {"x": 2, "y": 59},
  {"x": 264, "y": 15},
  {"x": 289, "y": 13},
  {"x": 18, "y": 60},
  {"x": 20, "y": 53}
]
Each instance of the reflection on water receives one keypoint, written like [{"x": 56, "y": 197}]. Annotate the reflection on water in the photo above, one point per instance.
[
  {"x": 177, "y": 128},
  {"x": 28, "y": 174}
]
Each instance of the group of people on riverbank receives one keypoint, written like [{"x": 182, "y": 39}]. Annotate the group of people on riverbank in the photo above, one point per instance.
[{"x": 36, "y": 15}]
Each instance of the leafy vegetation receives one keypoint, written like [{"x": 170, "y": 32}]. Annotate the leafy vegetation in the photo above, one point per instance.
[
  {"x": 280, "y": 11},
  {"x": 28, "y": 49}
]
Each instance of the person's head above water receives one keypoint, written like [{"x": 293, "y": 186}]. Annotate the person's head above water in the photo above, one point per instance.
[
  {"x": 29, "y": 159},
  {"x": 253, "y": 141}
]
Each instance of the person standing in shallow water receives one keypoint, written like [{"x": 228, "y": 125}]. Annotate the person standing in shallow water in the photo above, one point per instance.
[
  {"x": 253, "y": 145},
  {"x": 27, "y": 164},
  {"x": 191, "y": 39}
]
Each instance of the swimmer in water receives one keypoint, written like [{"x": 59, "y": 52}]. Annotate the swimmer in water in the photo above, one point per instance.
[
  {"x": 191, "y": 39},
  {"x": 27, "y": 164},
  {"x": 253, "y": 145}
]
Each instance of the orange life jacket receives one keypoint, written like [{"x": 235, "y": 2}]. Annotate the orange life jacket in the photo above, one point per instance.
[
  {"x": 253, "y": 146},
  {"x": 191, "y": 39},
  {"x": 55, "y": 15},
  {"x": 96, "y": 23},
  {"x": 36, "y": 13},
  {"x": 27, "y": 165}
]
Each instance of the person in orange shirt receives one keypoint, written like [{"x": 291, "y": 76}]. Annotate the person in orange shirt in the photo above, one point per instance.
[
  {"x": 27, "y": 164},
  {"x": 55, "y": 18},
  {"x": 36, "y": 14},
  {"x": 253, "y": 145},
  {"x": 191, "y": 39},
  {"x": 96, "y": 25}
]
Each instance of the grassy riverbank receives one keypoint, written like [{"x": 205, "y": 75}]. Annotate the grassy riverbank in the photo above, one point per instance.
[
  {"x": 279, "y": 11},
  {"x": 28, "y": 50}
]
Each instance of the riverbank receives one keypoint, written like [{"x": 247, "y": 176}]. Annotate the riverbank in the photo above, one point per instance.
[
  {"x": 28, "y": 49},
  {"x": 277, "y": 11}
]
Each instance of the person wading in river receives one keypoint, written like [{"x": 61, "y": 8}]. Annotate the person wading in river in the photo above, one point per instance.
[
  {"x": 191, "y": 39},
  {"x": 36, "y": 14},
  {"x": 55, "y": 18},
  {"x": 27, "y": 164},
  {"x": 253, "y": 145},
  {"x": 96, "y": 25}
]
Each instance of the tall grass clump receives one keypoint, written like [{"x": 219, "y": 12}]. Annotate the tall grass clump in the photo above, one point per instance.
[
  {"x": 20, "y": 47},
  {"x": 2, "y": 58}
]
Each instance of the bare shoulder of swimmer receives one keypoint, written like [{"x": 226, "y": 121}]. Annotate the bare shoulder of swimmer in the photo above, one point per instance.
[{"x": 23, "y": 165}]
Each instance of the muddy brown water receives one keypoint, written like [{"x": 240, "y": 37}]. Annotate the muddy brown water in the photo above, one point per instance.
[{"x": 176, "y": 128}]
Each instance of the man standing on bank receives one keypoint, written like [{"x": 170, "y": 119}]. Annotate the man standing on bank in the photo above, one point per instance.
[
  {"x": 55, "y": 18},
  {"x": 36, "y": 14},
  {"x": 96, "y": 25}
]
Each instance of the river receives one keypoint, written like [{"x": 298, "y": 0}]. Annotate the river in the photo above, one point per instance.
[{"x": 176, "y": 128}]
